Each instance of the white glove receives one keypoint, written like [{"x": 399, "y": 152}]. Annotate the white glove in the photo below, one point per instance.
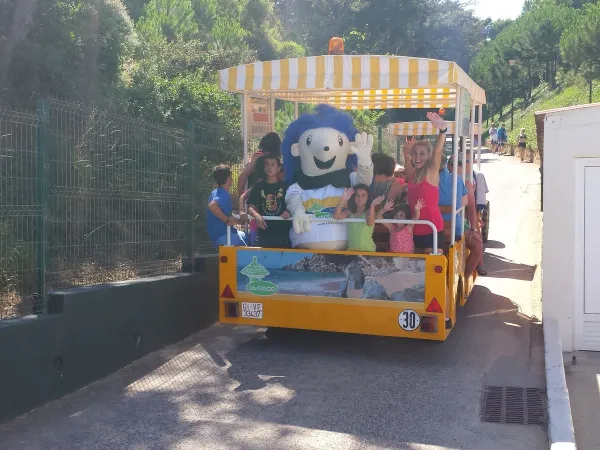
[
  {"x": 362, "y": 148},
  {"x": 300, "y": 222}
]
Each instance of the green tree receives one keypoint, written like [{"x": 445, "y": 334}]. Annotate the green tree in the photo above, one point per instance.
[
  {"x": 580, "y": 43},
  {"x": 73, "y": 49},
  {"x": 168, "y": 19}
]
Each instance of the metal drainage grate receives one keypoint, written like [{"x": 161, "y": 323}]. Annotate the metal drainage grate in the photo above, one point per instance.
[{"x": 516, "y": 405}]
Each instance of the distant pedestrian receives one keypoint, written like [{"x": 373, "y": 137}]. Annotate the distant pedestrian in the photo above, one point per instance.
[
  {"x": 494, "y": 138},
  {"x": 522, "y": 144},
  {"x": 502, "y": 138}
]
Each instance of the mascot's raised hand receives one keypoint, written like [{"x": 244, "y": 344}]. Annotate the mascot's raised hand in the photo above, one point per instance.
[{"x": 362, "y": 148}]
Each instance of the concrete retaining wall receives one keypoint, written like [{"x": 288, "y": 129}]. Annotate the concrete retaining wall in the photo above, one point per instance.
[{"x": 93, "y": 331}]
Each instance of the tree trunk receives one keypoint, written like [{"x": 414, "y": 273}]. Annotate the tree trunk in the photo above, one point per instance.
[
  {"x": 553, "y": 73},
  {"x": 529, "y": 84},
  {"x": 19, "y": 28}
]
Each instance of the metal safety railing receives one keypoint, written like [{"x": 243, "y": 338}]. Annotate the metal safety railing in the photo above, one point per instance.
[{"x": 331, "y": 220}]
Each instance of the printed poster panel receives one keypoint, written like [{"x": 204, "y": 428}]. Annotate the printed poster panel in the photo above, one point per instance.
[
  {"x": 465, "y": 114},
  {"x": 265, "y": 273},
  {"x": 259, "y": 116}
]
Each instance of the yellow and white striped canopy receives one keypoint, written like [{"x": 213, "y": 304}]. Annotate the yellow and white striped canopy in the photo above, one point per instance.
[
  {"x": 416, "y": 128},
  {"x": 354, "y": 82}
]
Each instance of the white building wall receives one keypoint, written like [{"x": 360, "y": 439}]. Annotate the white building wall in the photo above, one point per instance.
[{"x": 568, "y": 134}]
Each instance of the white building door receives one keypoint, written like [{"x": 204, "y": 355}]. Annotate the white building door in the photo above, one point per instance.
[{"x": 590, "y": 328}]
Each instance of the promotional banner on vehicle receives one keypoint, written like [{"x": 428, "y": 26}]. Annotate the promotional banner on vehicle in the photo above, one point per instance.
[{"x": 266, "y": 273}]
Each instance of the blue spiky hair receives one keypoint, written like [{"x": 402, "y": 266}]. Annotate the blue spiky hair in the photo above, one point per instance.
[{"x": 325, "y": 116}]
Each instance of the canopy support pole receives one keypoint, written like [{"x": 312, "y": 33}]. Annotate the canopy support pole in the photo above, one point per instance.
[
  {"x": 295, "y": 110},
  {"x": 472, "y": 146},
  {"x": 245, "y": 126},
  {"x": 480, "y": 137},
  {"x": 272, "y": 115},
  {"x": 457, "y": 120},
  {"x": 463, "y": 154}
]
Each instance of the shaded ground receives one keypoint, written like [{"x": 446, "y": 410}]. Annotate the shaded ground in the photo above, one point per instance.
[{"x": 231, "y": 388}]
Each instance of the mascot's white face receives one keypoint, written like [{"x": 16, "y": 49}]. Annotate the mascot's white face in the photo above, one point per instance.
[{"x": 322, "y": 151}]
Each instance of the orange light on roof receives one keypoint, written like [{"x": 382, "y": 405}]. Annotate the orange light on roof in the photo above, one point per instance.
[
  {"x": 227, "y": 293},
  {"x": 336, "y": 46},
  {"x": 434, "y": 306}
]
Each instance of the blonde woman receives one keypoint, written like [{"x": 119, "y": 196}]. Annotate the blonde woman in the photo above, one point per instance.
[{"x": 423, "y": 178}]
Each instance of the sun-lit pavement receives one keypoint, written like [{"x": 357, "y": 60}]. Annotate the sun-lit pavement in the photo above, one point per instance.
[
  {"x": 582, "y": 370},
  {"x": 230, "y": 388}
]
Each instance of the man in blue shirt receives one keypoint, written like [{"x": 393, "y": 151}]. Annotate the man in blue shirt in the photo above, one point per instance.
[
  {"x": 502, "y": 138},
  {"x": 445, "y": 188},
  {"x": 218, "y": 213}
]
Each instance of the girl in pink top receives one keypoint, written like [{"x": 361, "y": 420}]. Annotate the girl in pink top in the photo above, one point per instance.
[
  {"x": 423, "y": 174},
  {"x": 401, "y": 235}
]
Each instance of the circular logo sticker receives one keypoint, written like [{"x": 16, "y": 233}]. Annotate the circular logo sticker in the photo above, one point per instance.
[{"x": 409, "y": 320}]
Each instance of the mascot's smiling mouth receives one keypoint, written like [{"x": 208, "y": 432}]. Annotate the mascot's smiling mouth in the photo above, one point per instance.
[{"x": 324, "y": 165}]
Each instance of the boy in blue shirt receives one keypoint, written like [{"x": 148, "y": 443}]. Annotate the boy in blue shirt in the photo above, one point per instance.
[
  {"x": 218, "y": 213},
  {"x": 445, "y": 188}
]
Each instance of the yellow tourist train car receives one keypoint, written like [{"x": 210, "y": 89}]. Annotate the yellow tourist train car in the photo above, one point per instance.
[{"x": 384, "y": 294}]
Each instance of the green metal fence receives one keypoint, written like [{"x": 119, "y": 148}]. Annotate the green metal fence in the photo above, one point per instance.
[
  {"x": 119, "y": 195},
  {"x": 21, "y": 213},
  {"x": 88, "y": 196}
]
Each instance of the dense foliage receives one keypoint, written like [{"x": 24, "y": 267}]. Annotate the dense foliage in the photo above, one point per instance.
[
  {"x": 550, "y": 38},
  {"x": 158, "y": 59},
  {"x": 580, "y": 43}
]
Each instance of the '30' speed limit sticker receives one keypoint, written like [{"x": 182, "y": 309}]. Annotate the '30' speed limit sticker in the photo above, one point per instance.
[{"x": 409, "y": 320}]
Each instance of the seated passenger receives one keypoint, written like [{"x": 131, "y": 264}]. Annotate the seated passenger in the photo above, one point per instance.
[
  {"x": 356, "y": 203},
  {"x": 270, "y": 144},
  {"x": 218, "y": 213},
  {"x": 383, "y": 179},
  {"x": 401, "y": 235},
  {"x": 422, "y": 172},
  {"x": 472, "y": 230},
  {"x": 399, "y": 175},
  {"x": 268, "y": 199},
  {"x": 462, "y": 198}
]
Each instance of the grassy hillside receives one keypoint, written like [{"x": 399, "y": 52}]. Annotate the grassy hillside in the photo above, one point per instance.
[{"x": 572, "y": 92}]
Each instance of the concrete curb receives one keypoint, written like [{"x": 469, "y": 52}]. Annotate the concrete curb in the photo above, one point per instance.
[{"x": 560, "y": 422}]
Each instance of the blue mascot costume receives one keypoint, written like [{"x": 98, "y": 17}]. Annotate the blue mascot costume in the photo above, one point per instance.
[{"x": 318, "y": 156}]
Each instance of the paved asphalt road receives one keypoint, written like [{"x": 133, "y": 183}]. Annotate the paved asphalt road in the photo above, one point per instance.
[{"x": 230, "y": 388}]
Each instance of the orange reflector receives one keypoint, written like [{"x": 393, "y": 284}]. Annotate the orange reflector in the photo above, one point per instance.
[
  {"x": 434, "y": 306},
  {"x": 438, "y": 269},
  {"x": 227, "y": 293}
]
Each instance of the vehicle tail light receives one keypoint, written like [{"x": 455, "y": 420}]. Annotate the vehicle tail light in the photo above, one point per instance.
[
  {"x": 428, "y": 324},
  {"x": 434, "y": 307},
  {"x": 231, "y": 309},
  {"x": 224, "y": 259},
  {"x": 439, "y": 269}
]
